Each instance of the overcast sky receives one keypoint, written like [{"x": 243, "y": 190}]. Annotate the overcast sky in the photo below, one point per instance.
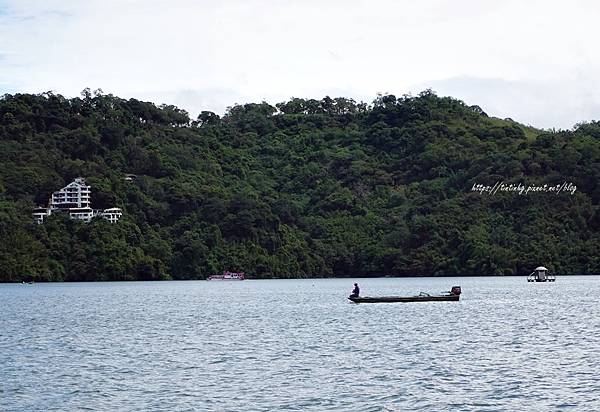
[{"x": 537, "y": 62}]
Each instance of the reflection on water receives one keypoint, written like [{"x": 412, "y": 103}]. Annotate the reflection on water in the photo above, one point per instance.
[{"x": 300, "y": 345}]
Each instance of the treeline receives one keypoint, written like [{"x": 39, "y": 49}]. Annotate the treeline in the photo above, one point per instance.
[{"x": 305, "y": 188}]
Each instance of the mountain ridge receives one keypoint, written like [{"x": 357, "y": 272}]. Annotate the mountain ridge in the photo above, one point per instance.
[{"x": 304, "y": 188}]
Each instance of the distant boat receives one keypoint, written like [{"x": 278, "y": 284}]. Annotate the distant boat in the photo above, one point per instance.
[
  {"x": 452, "y": 296},
  {"x": 228, "y": 276},
  {"x": 540, "y": 275}
]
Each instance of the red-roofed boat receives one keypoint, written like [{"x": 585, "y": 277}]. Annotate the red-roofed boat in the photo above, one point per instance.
[{"x": 227, "y": 275}]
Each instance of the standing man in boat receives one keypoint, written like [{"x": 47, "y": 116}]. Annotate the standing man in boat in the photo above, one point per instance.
[{"x": 355, "y": 291}]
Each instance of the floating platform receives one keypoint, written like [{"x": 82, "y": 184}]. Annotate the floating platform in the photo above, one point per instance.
[
  {"x": 540, "y": 274},
  {"x": 549, "y": 278}
]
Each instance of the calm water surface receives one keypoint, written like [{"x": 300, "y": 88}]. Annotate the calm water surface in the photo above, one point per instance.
[{"x": 278, "y": 345}]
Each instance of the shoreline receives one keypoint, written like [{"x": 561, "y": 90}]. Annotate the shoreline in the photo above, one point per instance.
[{"x": 290, "y": 278}]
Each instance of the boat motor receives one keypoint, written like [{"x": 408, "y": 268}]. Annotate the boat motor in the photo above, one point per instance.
[{"x": 455, "y": 290}]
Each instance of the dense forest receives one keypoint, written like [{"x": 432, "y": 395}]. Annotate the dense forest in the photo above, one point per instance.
[{"x": 305, "y": 188}]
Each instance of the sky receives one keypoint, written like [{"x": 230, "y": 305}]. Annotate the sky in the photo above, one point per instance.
[{"x": 537, "y": 62}]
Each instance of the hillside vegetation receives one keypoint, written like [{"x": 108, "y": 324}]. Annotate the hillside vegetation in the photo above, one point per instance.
[{"x": 308, "y": 188}]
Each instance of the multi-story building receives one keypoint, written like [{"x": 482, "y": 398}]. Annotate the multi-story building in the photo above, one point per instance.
[
  {"x": 74, "y": 195},
  {"x": 75, "y": 199}
]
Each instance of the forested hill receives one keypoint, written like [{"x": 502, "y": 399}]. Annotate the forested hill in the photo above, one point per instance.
[{"x": 308, "y": 188}]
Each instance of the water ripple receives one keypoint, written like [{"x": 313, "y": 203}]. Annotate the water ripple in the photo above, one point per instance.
[{"x": 268, "y": 345}]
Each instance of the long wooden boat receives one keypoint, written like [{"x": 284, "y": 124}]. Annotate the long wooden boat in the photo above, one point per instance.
[
  {"x": 390, "y": 299},
  {"x": 452, "y": 296}
]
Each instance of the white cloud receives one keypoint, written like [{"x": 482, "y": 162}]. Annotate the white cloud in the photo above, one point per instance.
[{"x": 539, "y": 57}]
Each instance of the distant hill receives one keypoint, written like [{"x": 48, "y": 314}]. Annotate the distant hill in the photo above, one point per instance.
[{"x": 306, "y": 188}]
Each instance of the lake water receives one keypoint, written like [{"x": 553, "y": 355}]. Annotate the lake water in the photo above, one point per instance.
[{"x": 276, "y": 345}]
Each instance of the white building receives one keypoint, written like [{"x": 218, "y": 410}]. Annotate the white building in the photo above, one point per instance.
[
  {"x": 81, "y": 213},
  {"x": 74, "y": 195},
  {"x": 112, "y": 215},
  {"x": 75, "y": 199},
  {"x": 39, "y": 213}
]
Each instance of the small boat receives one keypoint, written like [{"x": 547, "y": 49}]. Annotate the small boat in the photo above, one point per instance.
[
  {"x": 452, "y": 296},
  {"x": 540, "y": 274},
  {"x": 227, "y": 275}
]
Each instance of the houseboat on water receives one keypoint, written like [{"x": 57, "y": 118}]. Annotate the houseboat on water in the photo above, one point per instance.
[
  {"x": 540, "y": 274},
  {"x": 228, "y": 276}
]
